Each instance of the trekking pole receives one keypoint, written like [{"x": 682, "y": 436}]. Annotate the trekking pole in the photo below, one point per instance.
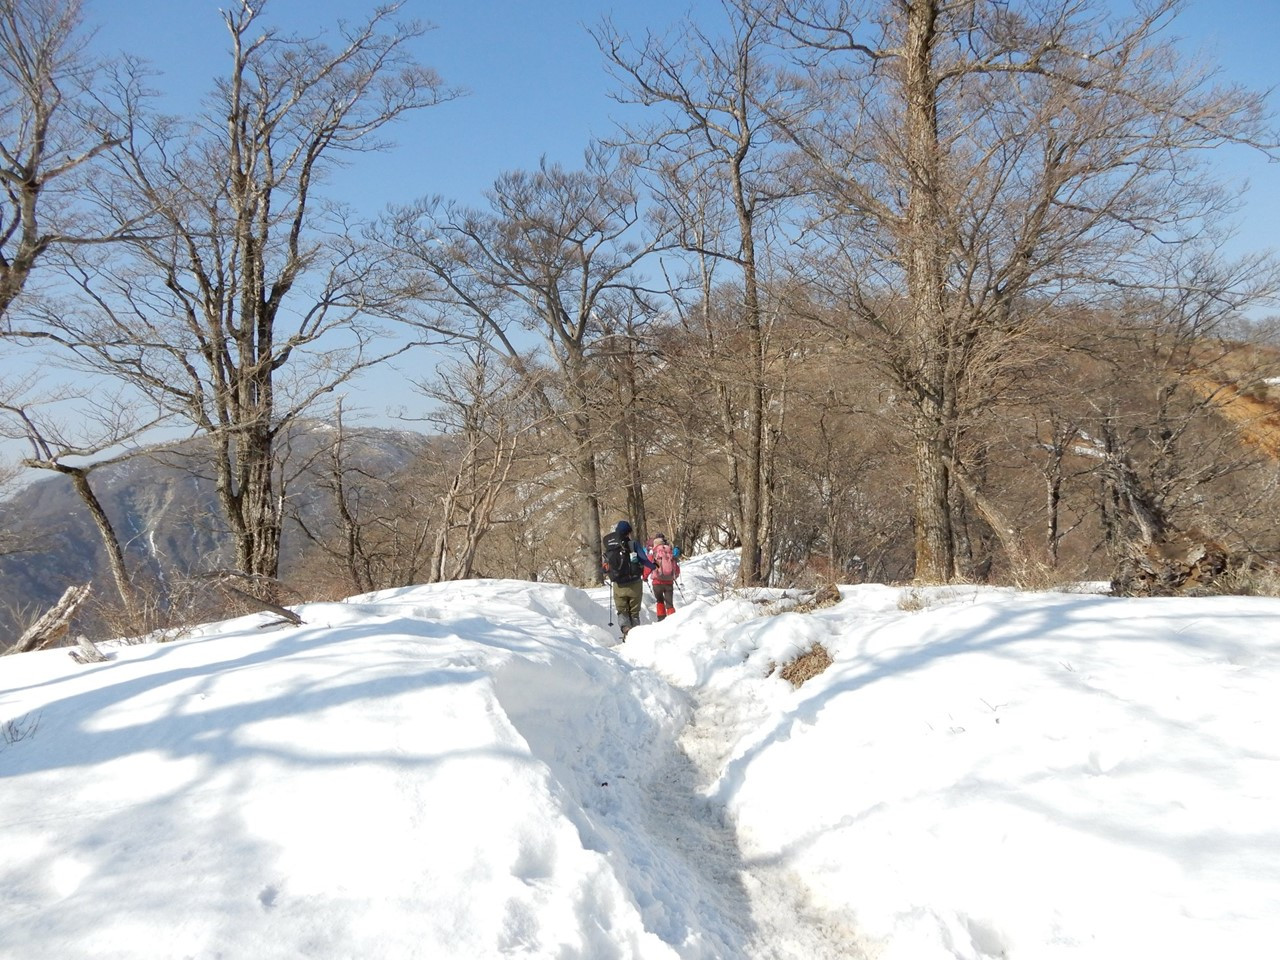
[{"x": 611, "y": 603}]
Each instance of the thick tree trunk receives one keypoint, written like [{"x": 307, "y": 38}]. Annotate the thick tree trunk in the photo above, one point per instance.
[
  {"x": 588, "y": 511},
  {"x": 253, "y": 507},
  {"x": 582, "y": 458},
  {"x": 934, "y": 542},
  {"x": 262, "y": 507},
  {"x": 924, "y": 255}
]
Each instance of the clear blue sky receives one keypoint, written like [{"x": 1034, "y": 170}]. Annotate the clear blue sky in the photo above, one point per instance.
[
  {"x": 535, "y": 79},
  {"x": 538, "y": 86}
]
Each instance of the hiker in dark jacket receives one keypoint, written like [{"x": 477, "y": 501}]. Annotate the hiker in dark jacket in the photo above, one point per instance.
[
  {"x": 625, "y": 563},
  {"x": 662, "y": 573}
]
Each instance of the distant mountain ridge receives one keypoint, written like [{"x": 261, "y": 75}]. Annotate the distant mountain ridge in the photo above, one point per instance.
[{"x": 163, "y": 505}]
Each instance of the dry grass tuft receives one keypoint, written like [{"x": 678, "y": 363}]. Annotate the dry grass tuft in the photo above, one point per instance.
[
  {"x": 1252, "y": 579},
  {"x": 913, "y": 601},
  {"x": 806, "y": 666},
  {"x": 1033, "y": 576}
]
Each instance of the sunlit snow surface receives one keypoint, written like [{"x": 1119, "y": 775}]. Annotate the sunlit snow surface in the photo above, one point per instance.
[{"x": 480, "y": 770}]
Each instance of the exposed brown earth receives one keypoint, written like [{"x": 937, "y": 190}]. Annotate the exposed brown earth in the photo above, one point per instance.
[{"x": 1257, "y": 420}]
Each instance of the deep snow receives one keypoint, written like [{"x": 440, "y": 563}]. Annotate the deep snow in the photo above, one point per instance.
[{"x": 480, "y": 770}]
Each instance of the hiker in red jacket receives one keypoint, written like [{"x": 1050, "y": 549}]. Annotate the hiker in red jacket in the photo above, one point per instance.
[{"x": 662, "y": 574}]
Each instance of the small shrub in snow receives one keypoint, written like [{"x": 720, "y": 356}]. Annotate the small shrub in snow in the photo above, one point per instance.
[{"x": 19, "y": 728}]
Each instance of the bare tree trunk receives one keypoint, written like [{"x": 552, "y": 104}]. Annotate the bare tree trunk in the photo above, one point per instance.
[
  {"x": 587, "y": 507},
  {"x": 776, "y": 430},
  {"x": 733, "y": 460},
  {"x": 583, "y": 460},
  {"x": 261, "y": 504},
  {"x": 935, "y": 544},
  {"x": 110, "y": 542},
  {"x": 753, "y": 507},
  {"x": 354, "y": 558},
  {"x": 1052, "y": 471},
  {"x": 924, "y": 258},
  {"x": 1005, "y": 532},
  {"x": 51, "y": 628},
  {"x": 632, "y": 449},
  {"x": 49, "y": 458},
  {"x": 440, "y": 552}
]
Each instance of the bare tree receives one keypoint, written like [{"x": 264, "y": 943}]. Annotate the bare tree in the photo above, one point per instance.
[
  {"x": 102, "y": 435},
  {"x": 979, "y": 163},
  {"x": 376, "y": 527},
  {"x": 250, "y": 297},
  {"x": 553, "y": 256},
  {"x": 721, "y": 95},
  {"x": 483, "y": 410},
  {"x": 1167, "y": 432},
  {"x": 51, "y": 130}
]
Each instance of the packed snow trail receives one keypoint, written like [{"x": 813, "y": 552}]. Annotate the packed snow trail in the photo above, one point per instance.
[
  {"x": 758, "y": 910},
  {"x": 676, "y": 855},
  {"x": 784, "y": 922}
]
